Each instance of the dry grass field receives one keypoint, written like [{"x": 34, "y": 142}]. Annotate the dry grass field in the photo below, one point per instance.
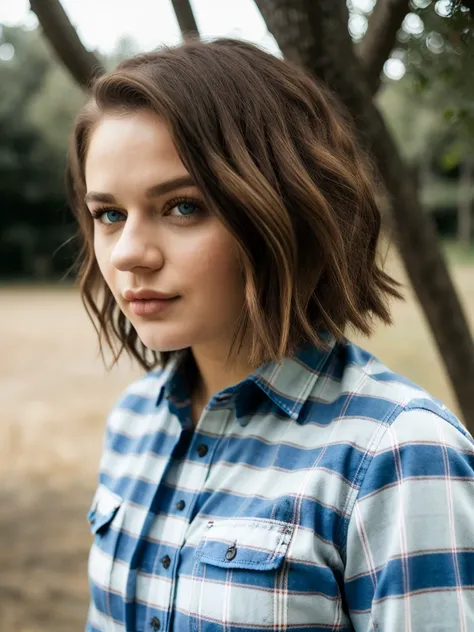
[{"x": 55, "y": 395}]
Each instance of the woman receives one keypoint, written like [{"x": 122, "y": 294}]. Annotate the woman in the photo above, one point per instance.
[{"x": 265, "y": 473}]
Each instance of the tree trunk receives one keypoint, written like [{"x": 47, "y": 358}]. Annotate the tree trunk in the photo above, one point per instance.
[
  {"x": 314, "y": 34},
  {"x": 81, "y": 63},
  {"x": 378, "y": 42},
  {"x": 465, "y": 202},
  {"x": 185, "y": 16}
]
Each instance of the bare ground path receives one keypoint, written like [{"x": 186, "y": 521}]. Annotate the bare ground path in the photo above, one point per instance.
[{"x": 43, "y": 559}]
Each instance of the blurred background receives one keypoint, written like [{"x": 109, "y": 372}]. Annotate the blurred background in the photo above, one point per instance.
[{"x": 411, "y": 61}]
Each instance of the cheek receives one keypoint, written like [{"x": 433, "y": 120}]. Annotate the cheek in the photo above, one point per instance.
[
  {"x": 213, "y": 266},
  {"x": 102, "y": 256}
]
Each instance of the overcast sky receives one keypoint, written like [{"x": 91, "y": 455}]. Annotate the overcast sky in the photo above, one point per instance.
[{"x": 100, "y": 23}]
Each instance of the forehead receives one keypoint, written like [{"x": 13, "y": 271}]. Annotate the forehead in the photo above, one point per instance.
[{"x": 136, "y": 148}]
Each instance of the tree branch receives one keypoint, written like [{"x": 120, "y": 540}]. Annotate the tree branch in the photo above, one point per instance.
[
  {"x": 63, "y": 38},
  {"x": 329, "y": 56},
  {"x": 378, "y": 42},
  {"x": 185, "y": 16}
]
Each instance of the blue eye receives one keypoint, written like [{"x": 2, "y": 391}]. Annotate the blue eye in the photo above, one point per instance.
[
  {"x": 107, "y": 216},
  {"x": 113, "y": 216},
  {"x": 183, "y": 208},
  {"x": 186, "y": 208}
]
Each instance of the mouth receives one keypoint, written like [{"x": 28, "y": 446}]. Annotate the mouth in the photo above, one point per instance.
[{"x": 152, "y": 306}]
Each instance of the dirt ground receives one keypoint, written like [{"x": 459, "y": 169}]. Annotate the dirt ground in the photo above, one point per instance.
[{"x": 55, "y": 395}]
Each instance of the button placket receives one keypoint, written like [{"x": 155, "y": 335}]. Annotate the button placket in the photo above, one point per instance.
[
  {"x": 213, "y": 423},
  {"x": 199, "y": 447}
]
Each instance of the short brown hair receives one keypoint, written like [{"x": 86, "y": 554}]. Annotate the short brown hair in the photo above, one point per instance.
[{"x": 277, "y": 162}]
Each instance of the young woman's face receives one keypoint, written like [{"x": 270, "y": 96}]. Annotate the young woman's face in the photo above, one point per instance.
[{"x": 152, "y": 234}]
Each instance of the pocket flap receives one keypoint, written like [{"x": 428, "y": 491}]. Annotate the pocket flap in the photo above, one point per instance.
[
  {"x": 104, "y": 507},
  {"x": 245, "y": 543}
]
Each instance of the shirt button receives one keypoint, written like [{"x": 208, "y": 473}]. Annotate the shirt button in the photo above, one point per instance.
[
  {"x": 180, "y": 505},
  {"x": 166, "y": 561},
  {"x": 231, "y": 552},
  {"x": 155, "y": 623},
  {"x": 202, "y": 450}
]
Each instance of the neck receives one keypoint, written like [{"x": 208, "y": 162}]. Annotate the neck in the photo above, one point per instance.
[{"x": 215, "y": 374}]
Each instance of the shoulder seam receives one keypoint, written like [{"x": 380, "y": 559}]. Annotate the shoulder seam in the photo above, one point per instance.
[{"x": 445, "y": 414}]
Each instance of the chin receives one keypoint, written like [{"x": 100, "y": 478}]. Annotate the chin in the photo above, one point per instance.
[{"x": 163, "y": 342}]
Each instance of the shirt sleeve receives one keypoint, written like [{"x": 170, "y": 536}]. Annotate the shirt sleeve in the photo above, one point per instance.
[{"x": 410, "y": 539}]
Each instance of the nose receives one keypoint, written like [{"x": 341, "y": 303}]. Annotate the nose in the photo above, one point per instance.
[{"x": 137, "y": 247}]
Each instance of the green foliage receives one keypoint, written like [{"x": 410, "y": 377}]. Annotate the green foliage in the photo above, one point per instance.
[
  {"x": 431, "y": 110},
  {"x": 37, "y": 106},
  {"x": 415, "y": 125},
  {"x": 440, "y": 65},
  {"x": 452, "y": 156},
  {"x": 38, "y": 103}
]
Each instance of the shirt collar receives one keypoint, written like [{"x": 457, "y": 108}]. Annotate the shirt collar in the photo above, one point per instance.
[
  {"x": 290, "y": 382},
  {"x": 287, "y": 383}
]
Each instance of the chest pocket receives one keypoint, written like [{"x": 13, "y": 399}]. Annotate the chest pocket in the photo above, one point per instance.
[
  {"x": 105, "y": 575},
  {"x": 240, "y": 575}
]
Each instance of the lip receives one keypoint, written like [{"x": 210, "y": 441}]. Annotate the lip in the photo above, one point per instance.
[
  {"x": 144, "y": 302},
  {"x": 151, "y": 306},
  {"x": 144, "y": 294}
]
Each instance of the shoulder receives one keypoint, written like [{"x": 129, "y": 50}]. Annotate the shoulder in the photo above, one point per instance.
[
  {"x": 365, "y": 376},
  {"x": 142, "y": 394},
  {"x": 410, "y": 411},
  {"x": 417, "y": 442},
  {"x": 138, "y": 421},
  {"x": 416, "y": 466},
  {"x": 364, "y": 386},
  {"x": 403, "y": 412},
  {"x": 420, "y": 446},
  {"x": 388, "y": 421},
  {"x": 360, "y": 393},
  {"x": 135, "y": 410}
]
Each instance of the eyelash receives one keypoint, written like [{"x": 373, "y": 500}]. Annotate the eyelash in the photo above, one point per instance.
[{"x": 99, "y": 212}]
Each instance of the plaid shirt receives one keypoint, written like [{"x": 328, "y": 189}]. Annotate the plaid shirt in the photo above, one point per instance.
[{"x": 325, "y": 493}]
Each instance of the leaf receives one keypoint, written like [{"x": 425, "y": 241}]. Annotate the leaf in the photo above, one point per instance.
[{"x": 451, "y": 158}]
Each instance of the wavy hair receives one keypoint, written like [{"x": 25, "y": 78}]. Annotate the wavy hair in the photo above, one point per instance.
[{"x": 276, "y": 160}]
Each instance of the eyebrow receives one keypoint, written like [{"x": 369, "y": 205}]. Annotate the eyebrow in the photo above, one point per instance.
[{"x": 151, "y": 192}]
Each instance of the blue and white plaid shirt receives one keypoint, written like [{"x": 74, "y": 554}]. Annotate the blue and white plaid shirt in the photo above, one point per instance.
[{"x": 325, "y": 494}]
